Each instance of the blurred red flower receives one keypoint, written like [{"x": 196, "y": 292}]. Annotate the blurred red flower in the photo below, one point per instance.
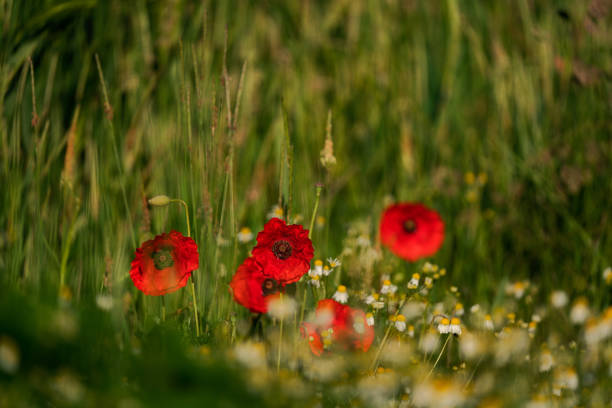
[
  {"x": 283, "y": 251},
  {"x": 164, "y": 264},
  {"x": 251, "y": 288},
  {"x": 411, "y": 230},
  {"x": 337, "y": 326}
]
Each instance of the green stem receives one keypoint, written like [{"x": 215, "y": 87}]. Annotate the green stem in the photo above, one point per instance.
[
  {"x": 384, "y": 340},
  {"x": 314, "y": 212},
  {"x": 163, "y": 310},
  {"x": 195, "y": 307},
  {"x": 193, "y": 293},
  {"x": 184, "y": 204},
  {"x": 439, "y": 356}
]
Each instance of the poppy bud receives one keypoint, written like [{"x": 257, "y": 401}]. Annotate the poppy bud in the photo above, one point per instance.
[{"x": 160, "y": 201}]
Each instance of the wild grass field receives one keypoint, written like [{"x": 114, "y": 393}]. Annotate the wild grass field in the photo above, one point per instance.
[{"x": 496, "y": 115}]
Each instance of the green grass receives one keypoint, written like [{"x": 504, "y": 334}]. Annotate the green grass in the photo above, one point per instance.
[{"x": 420, "y": 93}]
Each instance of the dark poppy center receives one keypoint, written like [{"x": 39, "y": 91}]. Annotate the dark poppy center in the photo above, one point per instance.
[
  {"x": 282, "y": 249},
  {"x": 162, "y": 258},
  {"x": 269, "y": 287},
  {"x": 410, "y": 226}
]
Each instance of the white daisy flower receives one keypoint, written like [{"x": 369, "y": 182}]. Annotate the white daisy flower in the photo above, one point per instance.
[
  {"x": 341, "y": 294},
  {"x": 370, "y": 319},
  {"x": 333, "y": 262},
  {"x": 318, "y": 268},
  {"x": 371, "y": 298},
  {"x": 245, "y": 235},
  {"x": 459, "y": 311},
  {"x": 444, "y": 326},
  {"x": 607, "y": 275},
  {"x": 414, "y": 281},
  {"x": 326, "y": 270},
  {"x": 455, "y": 326},
  {"x": 400, "y": 323},
  {"x": 315, "y": 281},
  {"x": 488, "y": 323},
  {"x": 275, "y": 212},
  {"x": 558, "y": 299},
  {"x": 388, "y": 287},
  {"x": 580, "y": 311}
]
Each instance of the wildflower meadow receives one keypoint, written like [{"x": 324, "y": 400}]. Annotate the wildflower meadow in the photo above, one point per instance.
[{"x": 394, "y": 203}]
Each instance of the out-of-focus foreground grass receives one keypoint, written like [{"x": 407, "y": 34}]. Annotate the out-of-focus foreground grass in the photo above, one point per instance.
[{"x": 497, "y": 114}]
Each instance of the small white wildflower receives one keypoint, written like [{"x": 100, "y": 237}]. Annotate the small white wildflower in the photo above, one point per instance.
[
  {"x": 400, "y": 323},
  {"x": 9, "y": 355},
  {"x": 429, "y": 267},
  {"x": 318, "y": 268},
  {"x": 68, "y": 387},
  {"x": 567, "y": 378},
  {"x": 546, "y": 361},
  {"x": 326, "y": 270},
  {"x": 428, "y": 282},
  {"x": 275, "y": 212},
  {"x": 455, "y": 326},
  {"x": 341, "y": 294},
  {"x": 250, "y": 354},
  {"x": 488, "y": 323},
  {"x": 459, "y": 311},
  {"x": 558, "y": 299},
  {"x": 378, "y": 305},
  {"x": 370, "y": 319},
  {"x": 315, "y": 281},
  {"x": 371, "y": 298},
  {"x": 411, "y": 331},
  {"x": 444, "y": 326},
  {"x": 414, "y": 281},
  {"x": 607, "y": 275},
  {"x": 388, "y": 287},
  {"x": 517, "y": 289},
  {"x": 333, "y": 262},
  {"x": 430, "y": 341},
  {"x": 580, "y": 311},
  {"x": 281, "y": 307},
  {"x": 475, "y": 308},
  {"x": 363, "y": 241},
  {"x": 531, "y": 328},
  {"x": 104, "y": 302},
  {"x": 245, "y": 235},
  {"x": 536, "y": 318}
]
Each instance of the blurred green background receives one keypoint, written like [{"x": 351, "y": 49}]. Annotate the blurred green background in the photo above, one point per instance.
[{"x": 496, "y": 114}]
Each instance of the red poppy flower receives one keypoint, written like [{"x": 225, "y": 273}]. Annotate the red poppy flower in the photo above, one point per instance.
[
  {"x": 284, "y": 251},
  {"x": 411, "y": 230},
  {"x": 164, "y": 264},
  {"x": 338, "y": 325},
  {"x": 251, "y": 288}
]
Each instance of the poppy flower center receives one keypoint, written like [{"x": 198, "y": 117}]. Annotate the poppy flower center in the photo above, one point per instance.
[
  {"x": 409, "y": 226},
  {"x": 162, "y": 258},
  {"x": 282, "y": 249},
  {"x": 269, "y": 287}
]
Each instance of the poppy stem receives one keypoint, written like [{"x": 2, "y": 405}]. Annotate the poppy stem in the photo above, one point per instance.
[
  {"x": 177, "y": 200},
  {"x": 314, "y": 212},
  {"x": 254, "y": 324},
  {"x": 195, "y": 308}
]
